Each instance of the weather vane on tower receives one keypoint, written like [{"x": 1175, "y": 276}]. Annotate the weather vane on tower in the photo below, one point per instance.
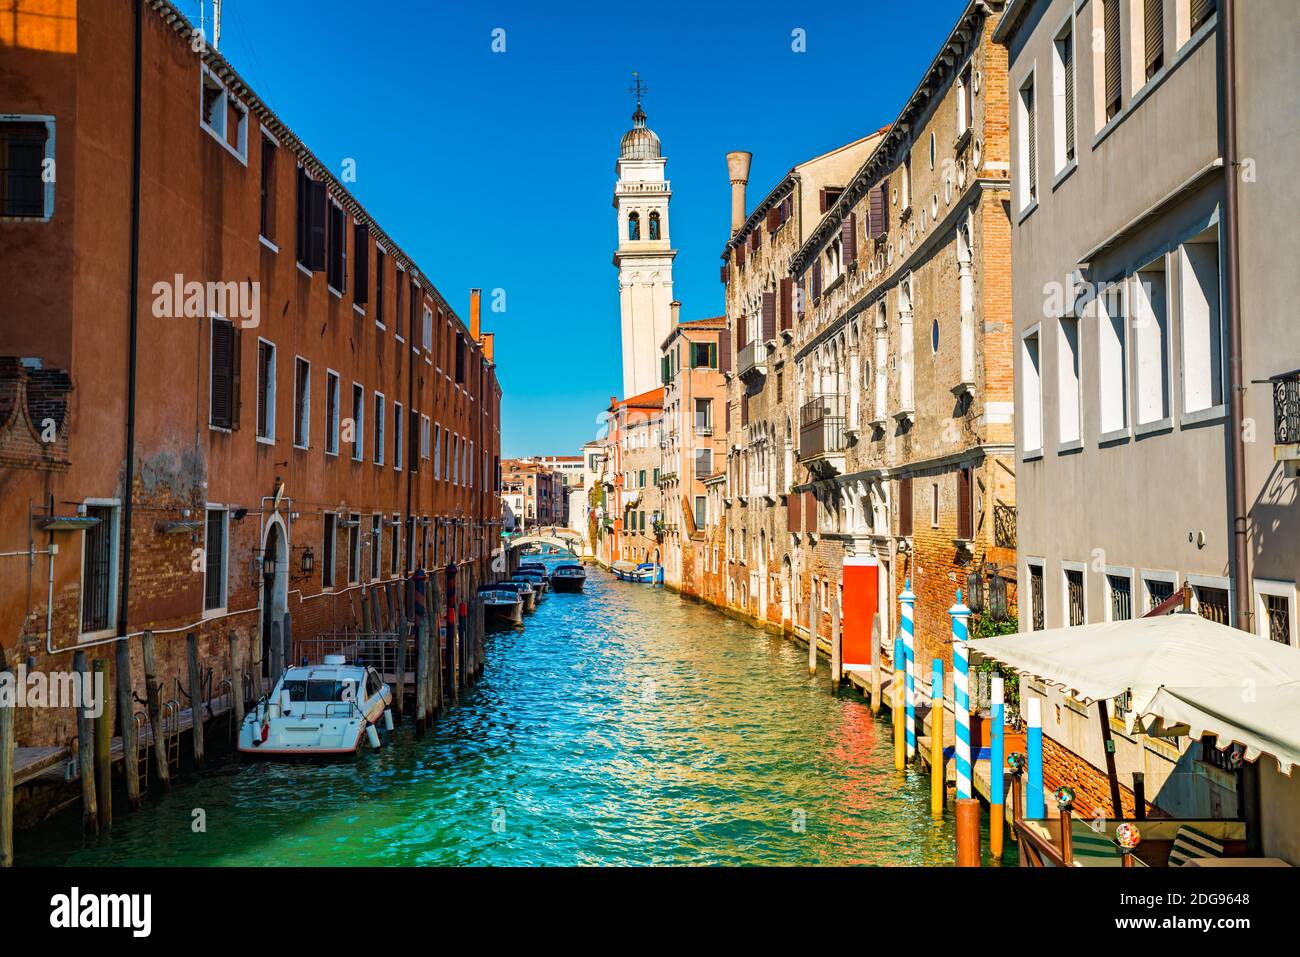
[{"x": 638, "y": 89}]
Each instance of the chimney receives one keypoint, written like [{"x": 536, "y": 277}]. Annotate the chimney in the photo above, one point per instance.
[
  {"x": 676, "y": 308},
  {"x": 738, "y": 171},
  {"x": 475, "y": 295},
  {"x": 488, "y": 346}
]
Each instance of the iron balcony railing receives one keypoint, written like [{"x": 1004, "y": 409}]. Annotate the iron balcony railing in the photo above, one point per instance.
[
  {"x": 821, "y": 426},
  {"x": 752, "y": 357},
  {"x": 1004, "y": 525},
  {"x": 1286, "y": 408}
]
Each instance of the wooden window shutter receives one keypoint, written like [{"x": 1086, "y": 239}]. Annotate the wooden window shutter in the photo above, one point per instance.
[
  {"x": 724, "y": 350},
  {"x": 316, "y": 203},
  {"x": 263, "y": 386},
  {"x": 742, "y": 332},
  {"x": 1110, "y": 35},
  {"x": 905, "y": 507},
  {"x": 787, "y": 303},
  {"x": 876, "y": 213},
  {"x": 220, "y": 384},
  {"x": 744, "y": 410},
  {"x": 1154, "y": 28},
  {"x": 810, "y": 511},
  {"x": 1032, "y": 124},
  {"x": 301, "y": 232},
  {"x": 884, "y": 207},
  {"x": 792, "y": 512},
  {"x": 817, "y": 279},
  {"x": 849, "y": 239},
  {"x": 965, "y": 504},
  {"x": 727, "y": 425},
  {"x": 740, "y": 255},
  {"x": 1067, "y": 61},
  {"x": 1200, "y": 12},
  {"x": 769, "y": 316},
  {"x": 724, "y": 273},
  {"x": 361, "y": 288}
]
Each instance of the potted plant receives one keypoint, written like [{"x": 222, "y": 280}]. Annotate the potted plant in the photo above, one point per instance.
[{"x": 984, "y": 625}]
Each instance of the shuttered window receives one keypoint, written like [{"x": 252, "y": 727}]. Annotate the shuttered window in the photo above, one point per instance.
[
  {"x": 817, "y": 280},
  {"x": 380, "y": 260},
  {"x": 361, "y": 264},
  {"x": 740, "y": 255},
  {"x": 787, "y": 303},
  {"x": 214, "y": 554},
  {"x": 267, "y": 213},
  {"x": 1067, "y": 61},
  {"x": 724, "y": 350},
  {"x": 769, "y": 316},
  {"x": 301, "y": 403},
  {"x": 1111, "y": 55},
  {"x": 265, "y": 390},
  {"x": 724, "y": 273},
  {"x": 358, "y": 422},
  {"x": 223, "y": 401},
  {"x": 311, "y": 222},
  {"x": 965, "y": 504},
  {"x": 905, "y": 507},
  {"x": 331, "y": 413},
  {"x": 1030, "y": 129},
  {"x": 328, "y": 545},
  {"x": 97, "y": 570},
  {"x": 828, "y": 197},
  {"x": 1153, "y": 23},
  {"x": 1201, "y": 10},
  {"x": 810, "y": 511},
  {"x": 879, "y": 203},
  {"x": 849, "y": 239}
]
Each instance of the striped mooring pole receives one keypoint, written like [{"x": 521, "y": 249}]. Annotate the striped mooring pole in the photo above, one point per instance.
[
  {"x": 936, "y": 740},
  {"x": 896, "y": 705},
  {"x": 997, "y": 770},
  {"x": 967, "y": 807},
  {"x": 906, "y": 609},
  {"x": 1035, "y": 805}
]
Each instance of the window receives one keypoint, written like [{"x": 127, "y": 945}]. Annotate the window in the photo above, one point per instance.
[
  {"x": 26, "y": 167},
  {"x": 1075, "y": 601},
  {"x": 223, "y": 375},
  {"x": 1036, "y": 615},
  {"x": 966, "y": 503},
  {"x": 1067, "y": 380},
  {"x": 331, "y": 413},
  {"x": 701, "y": 511},
  {"x": 394, "y": 544},
  {"x": 1212, "y": 602},
  {"x": 361, "y": 263},
  {"x": 99, "y": 570},
  {"x": 1274, "y": 603},
  {"x": 1158, "y": 587},
  {"x": 424, "y": 436},
  {"x": 1063, "y": 105},
  {"x": 1027, "y": 133},
  {"x": 336, "y": 239},
  {"x": 301, "y": 402},
  {"x": 965, "y": 102},
  {"x": 1200, "y": 11},
  {"x": 1153, "y": 28},
  {"x": 1202, "y": 336},
  {"x": 354, "y": 548},
  {"x": 376, "y": 545},
  {"x": 327, "y": 550},
  {"x": 1119, "y": 589},
  {"x": 704, "y": 416},
  {"x": 428, "y": 329},
  {"x": 379, "y": 428},
  {"x": 906, "y": 203},
  {"x": 399, "y": 424},
  {"x": 1112, "y": 361},
  {"x": 399, "y": 283},
  {"x": 215, "y": 558},
  {"x": 223, "y": 116},
  {"x": 265, "y": 390},
  {"x": 905, "y": 507},
  {"x": 934, "y": 504},
  {"x": 654, "y": 225},
  {"x": 380, "y": 259},
  {"x": 437, "y": 448},
  {"x": 1110, "y": 54},
  {"x": 1150, "y": 337},
  {"x": 267, "y": 219},
  {"x": 1031, "y": 394},
  {"x": 358, "y": 422},
  {"x": 410, "y": 543},
  {"x": 633, "y": 225},
  {"x": 312, "y": 200},
  {"x": 704, "y": 355}
]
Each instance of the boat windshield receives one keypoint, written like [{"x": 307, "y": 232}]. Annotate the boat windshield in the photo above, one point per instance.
[{"x": 318, "y": 690}]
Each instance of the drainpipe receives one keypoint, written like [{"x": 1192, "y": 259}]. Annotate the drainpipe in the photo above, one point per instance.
[
  {"x": 133, "y": 324},
  {"x": 1237, "y": 392}
]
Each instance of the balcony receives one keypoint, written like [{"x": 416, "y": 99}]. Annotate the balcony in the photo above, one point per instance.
[
  {"x": 752, "y": 360},
  {"x": 1286, "y": 421},
  {"x": 821, "y": 432}
]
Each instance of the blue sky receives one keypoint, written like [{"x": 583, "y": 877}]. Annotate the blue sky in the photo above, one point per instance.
[{"x": 496, "y": 170}]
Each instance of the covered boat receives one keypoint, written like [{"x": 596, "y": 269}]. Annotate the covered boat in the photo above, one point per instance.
[
  {"x": 569, "y": 577},
  {"x": 524, "y": 589},
  {"x": 323, "y": 709},
  {"x": 503, "y": 605}
]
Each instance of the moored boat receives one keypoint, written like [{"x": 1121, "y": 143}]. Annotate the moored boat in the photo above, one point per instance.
[
  {"x": 323, "y": 709},
  {"x": 541, "y": 584},
  {"x": 503, "y": 605},
  {"x": 643, "y": 574},
  {"x": 569, "y": 577},
  {"x": 525, "y": 591}
]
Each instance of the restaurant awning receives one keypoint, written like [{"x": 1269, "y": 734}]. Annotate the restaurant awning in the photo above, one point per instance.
[{"x": 1186, "y": 674}]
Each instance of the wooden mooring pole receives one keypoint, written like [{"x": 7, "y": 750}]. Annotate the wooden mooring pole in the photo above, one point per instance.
[
  {"x": 103, "y": 746},
  {"x": 153, "y": 697},
  {"x": 255, "y": 661},
  {"x": 837, "y": 650},
  {"x": 814, "y": 620},
  {"x": 236, "y": 685},
  {"x": 196, "y": 696},
  {"x": 422, "y": 666},
  {"x": 126, "y": 719},
  {"x": 877, "y": 664},
  {"x": 7, "y": 781},
  {"x": 86, "y": 751},
  {"x": 399, "y": 671}
]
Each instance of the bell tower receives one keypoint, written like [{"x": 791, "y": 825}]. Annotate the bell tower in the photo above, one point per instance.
[{"x": 644, "y": 255}]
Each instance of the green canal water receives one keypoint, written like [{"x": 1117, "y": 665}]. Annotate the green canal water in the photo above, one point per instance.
[{"x": 624, "y": 725}]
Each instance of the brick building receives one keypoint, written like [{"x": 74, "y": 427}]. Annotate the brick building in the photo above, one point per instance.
[
  {"x": 536, "y": 493},
  {"x": 629, "y": 516},
  {"x": 902, "y": 353},
  {"x": 230, "y": 395}
]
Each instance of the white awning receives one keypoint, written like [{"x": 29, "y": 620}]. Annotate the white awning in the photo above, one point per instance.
[{"x": 1185, "y": 673}]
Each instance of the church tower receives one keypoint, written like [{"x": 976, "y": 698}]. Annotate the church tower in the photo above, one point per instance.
[{"x": 644, "y": 256}]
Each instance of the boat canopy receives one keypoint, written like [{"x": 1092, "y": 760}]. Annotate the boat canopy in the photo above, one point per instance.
[{"x": 1187, "y": 675}]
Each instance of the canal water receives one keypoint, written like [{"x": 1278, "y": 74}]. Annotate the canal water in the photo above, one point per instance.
[{"x": 624, "y": 725}]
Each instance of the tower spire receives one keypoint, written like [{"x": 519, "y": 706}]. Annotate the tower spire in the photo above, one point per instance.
[{"x": 638, "y": 89}]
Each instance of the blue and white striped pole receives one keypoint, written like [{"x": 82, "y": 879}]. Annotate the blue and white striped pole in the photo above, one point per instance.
[
  {"x": 961, "y": 694},
  {"x": 997, "y": 772},
  {"x": 1035, "y": 805},
  {"x": 906, "y": 606}
]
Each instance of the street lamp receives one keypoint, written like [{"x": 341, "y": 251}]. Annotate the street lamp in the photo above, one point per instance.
[{"x": 308, "y": 560}]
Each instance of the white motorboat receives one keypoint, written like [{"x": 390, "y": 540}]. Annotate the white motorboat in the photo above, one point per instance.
[
  {"x": 324, "y": 709},
  {"x": 502, "y": 604},
  {"x": 569, "y": 577}
]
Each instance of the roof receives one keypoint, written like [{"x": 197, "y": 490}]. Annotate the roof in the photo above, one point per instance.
[
  {"x": 640, "y": 142},
  {"x": 1011, "y": 17},
  {"x": 654, "y": 399},
  {"x": 711, "y": 324},
  {"x": 1186, "y": 674}
]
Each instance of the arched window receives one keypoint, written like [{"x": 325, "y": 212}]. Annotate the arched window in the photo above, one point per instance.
[
  {"x": 634, "y": 226},
  {"x": 654, "y": 225}
]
